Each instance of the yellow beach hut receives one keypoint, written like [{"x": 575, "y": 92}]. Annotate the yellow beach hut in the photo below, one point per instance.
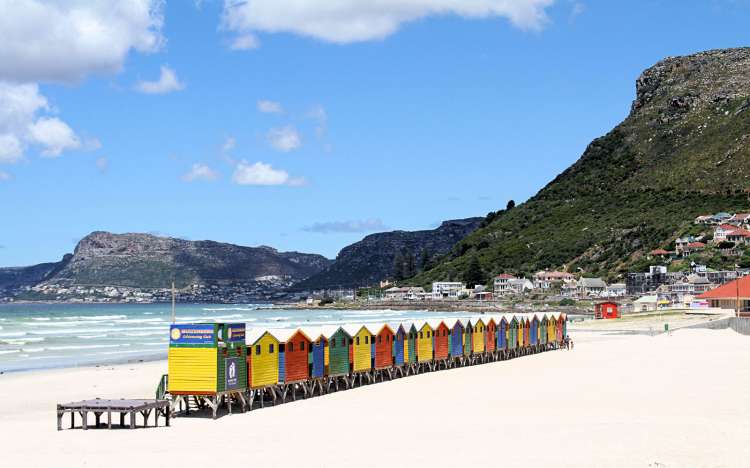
[
  {"x": 424, "y": 344},
  {"x": 262, "y": 358},
  {"x": 362, "y": 346}
]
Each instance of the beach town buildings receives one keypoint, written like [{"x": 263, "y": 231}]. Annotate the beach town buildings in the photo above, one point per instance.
[
  {"x": 414, "y": 293},
  {"x": 734, "y": 295},
  {"x": 447, "y": 289},
  {"x": 591, "y": 287},
  {"x": 502, "y": 285},
  {"x": 548, "y": 279}
]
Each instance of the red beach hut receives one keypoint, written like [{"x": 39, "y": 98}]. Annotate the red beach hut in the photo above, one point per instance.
[
  {"x": 607, "y": 310},
  {"x": 440, "y": 342},
  {"x": 384, "y": 347}
]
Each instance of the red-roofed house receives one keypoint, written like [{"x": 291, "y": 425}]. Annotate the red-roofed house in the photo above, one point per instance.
[
  {"x": 721, "y": 231},
  {"x": 738, "y": 236},
  {"x": 731, "y": 295},
  {"x": 659, "y": 253},
  {"x": 503, "y": 285},
  {"x": 693, "y": 247}
]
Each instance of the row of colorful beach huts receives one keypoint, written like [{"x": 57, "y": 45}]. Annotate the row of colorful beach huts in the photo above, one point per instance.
[{"x": 215, "y": 362}]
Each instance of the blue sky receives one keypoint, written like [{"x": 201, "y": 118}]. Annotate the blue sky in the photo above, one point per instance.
[{"x": 307, "y": 128}]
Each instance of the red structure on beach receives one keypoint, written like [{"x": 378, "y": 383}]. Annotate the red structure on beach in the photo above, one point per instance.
[{"x": 607, "y": 310}]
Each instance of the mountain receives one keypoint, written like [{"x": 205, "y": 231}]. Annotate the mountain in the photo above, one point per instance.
[
  {"x": 683, "y": 151},
  {"x": 373, "y": 258},
  {"x": 15, "y": 278},
  {"x": 147, "y": 261}
]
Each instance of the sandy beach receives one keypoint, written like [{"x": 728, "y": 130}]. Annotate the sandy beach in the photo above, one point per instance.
[{"x": 676, "y": 400}]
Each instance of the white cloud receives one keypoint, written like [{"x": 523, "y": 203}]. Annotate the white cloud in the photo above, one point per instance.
[
  {"x": 54, "y": 135},
  {"x": 576, "y": 10},
  {"x": 167, "y": 83},
  {"x": 245, "y": 41},
  {"x": 22, "y": 125},
  {"x": 284, "y": 138},
  {"x": 64, "y": 40},
  {"x": 319, "y": 113},
  {"x": 347, "y": 21},
  {"x": 229, "y": 144},
  {"x": 363, "y": 225},
  {"x": 11, "y": 150},
  {"x": 262, "y": 174},
  {"x": 4, "y": 177},
  {"x": 270, "y": 107},
  {"x": 102, "y": 163},
  {"x": 200, "y": 172}
]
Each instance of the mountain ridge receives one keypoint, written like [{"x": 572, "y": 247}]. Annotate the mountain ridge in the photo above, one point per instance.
[{"x": 684, "y": 150}]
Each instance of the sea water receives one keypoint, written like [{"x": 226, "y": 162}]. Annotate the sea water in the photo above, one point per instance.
[{"x": 38, "y": 336}]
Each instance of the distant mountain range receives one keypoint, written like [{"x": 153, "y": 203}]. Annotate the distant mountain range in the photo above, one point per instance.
[
  {"x": 373, "y": 258},
  {"x": 146, "y": 261},
  {"x": 683, "y": 151},
  {"x": 226, "y": 272}
]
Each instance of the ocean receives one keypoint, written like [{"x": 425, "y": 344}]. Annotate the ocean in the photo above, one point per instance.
[{"x": 41, "y": 336}]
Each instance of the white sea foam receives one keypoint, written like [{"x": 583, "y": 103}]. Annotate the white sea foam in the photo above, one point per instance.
[
  {"x": 64, "y": 348},
  {"x": 12, "y": 334},
  {"x": 91, "y": 337},
  {"x": 41, "y": 319},
  {"x": 143, "y": 320},
  {"x": 149, "y": 333},
  {"x": 10, "y": 351},
  {"x": 21, "y": 341},
  {"x": 32, "y": 350}
]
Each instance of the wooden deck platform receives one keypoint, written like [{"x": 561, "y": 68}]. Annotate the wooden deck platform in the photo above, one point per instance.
[{"x": 98, "y": 407}]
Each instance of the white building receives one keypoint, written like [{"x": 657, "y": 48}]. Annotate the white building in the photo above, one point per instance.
[
  {"x": 447, "y": 289},
  {"x": 520, "y": 285},
  {"x": 502, "y": 285},
  {"x": 545, "y": 279},
  {"x": 616, "y": 290},
  {"x": 591, "y": 287}
]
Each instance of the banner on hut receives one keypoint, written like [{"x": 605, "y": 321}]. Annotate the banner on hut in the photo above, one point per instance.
[
  {"x": 232, "y": 368},
  {"x": 192, "y": 335},
  {"x": 236, "y": 333}
]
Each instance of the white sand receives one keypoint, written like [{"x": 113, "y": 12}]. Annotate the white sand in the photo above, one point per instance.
[{"x": 633, "y": 401}]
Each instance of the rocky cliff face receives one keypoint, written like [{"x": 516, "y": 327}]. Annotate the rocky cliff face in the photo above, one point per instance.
[
  {"x": 147, "y": 261},
  {"x": 683, "y": 151},
  {"x": 370, "y": 260}
]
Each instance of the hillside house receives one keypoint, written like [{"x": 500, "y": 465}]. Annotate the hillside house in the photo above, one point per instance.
[
  {"x": 591, "y": 287},
  {"x": 502, "y": 284},
  {"x": 546, "y": 279},
  {"x": 739, "y": 236},
  {"x": 615, "y": 290},
  {"x": 721, "y": 231},
  {"x": 520, "y": 285},
  {"x": 447, "y": 290}
]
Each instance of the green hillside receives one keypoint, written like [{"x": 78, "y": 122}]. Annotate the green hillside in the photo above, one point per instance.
[{"x": 683, "y": 151}]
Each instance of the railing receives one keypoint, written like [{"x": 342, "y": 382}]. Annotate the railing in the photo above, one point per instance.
[{"x": 161, "y": 389}]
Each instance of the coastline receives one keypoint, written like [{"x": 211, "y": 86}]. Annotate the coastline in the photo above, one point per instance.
[{"x": 631, "y": 398}]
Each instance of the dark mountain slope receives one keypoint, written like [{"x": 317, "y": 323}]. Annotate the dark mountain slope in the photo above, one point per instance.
[
  {"x": 147, "y": 261},
  {"x": 372, "y": 259},
  {"x": 683, "y": 151}
]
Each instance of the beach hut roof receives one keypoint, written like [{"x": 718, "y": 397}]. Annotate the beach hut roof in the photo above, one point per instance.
[
  {"x": 283, "y": 334},
  {"x": 313, "y": 333},
  {"x": 379, "y": 327},
  {"x": 352, "y": 329},
  {"x": 254, "y": 334},
  {"x": 330, "y": 330},
  {"x": 435, "y": 323}
]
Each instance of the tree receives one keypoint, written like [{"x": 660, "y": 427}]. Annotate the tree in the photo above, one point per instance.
[
  {"x": 511, "y": 204},
  {"x": 425, "y": 262},
  {"x": 474, "y": 274},
  {"x": 410, "y": 267},
  {"x": 398, "y": 267}
]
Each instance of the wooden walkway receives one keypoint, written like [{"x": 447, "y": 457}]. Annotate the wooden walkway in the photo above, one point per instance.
[{"x": 124, "y": 407}]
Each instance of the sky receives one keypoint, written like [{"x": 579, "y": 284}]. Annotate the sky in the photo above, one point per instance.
[{"x": 307, "y": 125}]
